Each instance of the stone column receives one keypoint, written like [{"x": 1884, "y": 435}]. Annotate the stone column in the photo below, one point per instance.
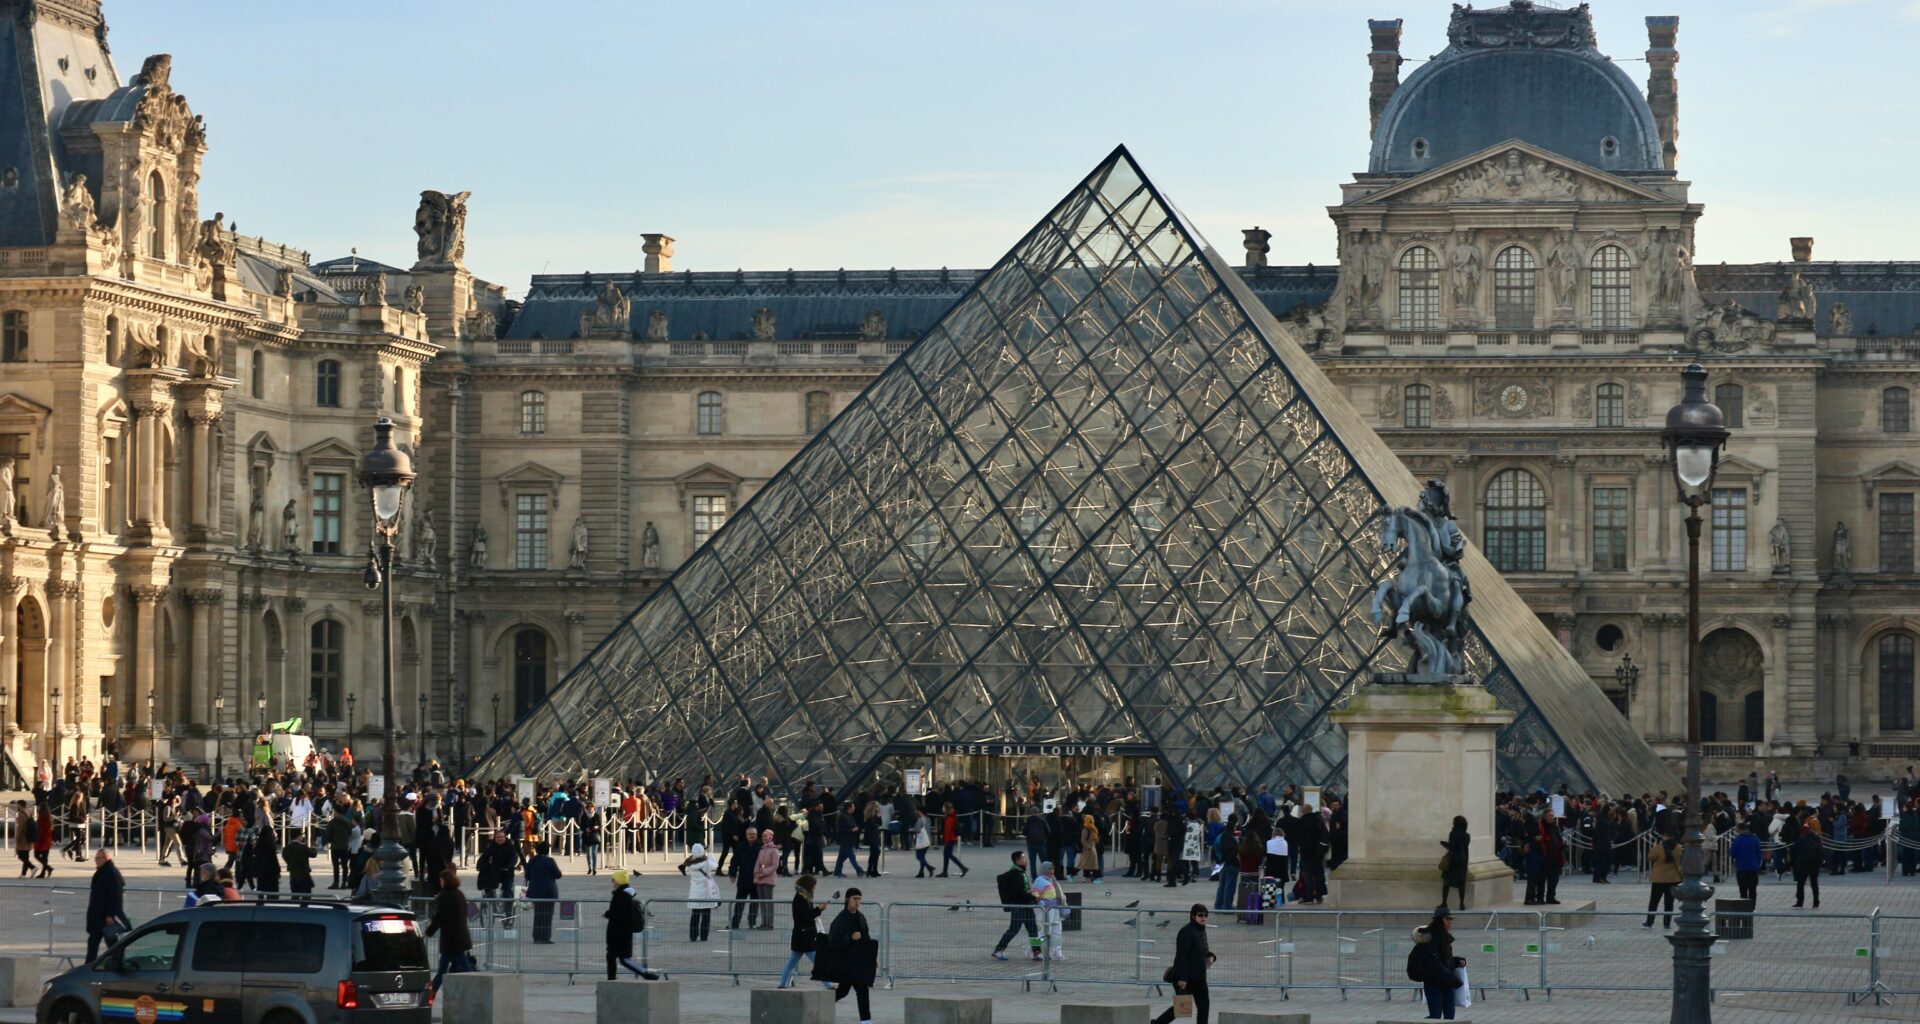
[
  {"x": 1643, "y": 709},
  {"x": 479, "y": 695},
  {"x": 10, "y": 588},
  {"x": 1675, "y": 728},
  {"x": 150, "y": 394},
  {"x": 200, "y": 475},
  {"x": 57, "y": 670},
  {"x": 203, "y": 607},
  {"x": 576, "y": 623},
  {"x": 1447, "y": 737}
]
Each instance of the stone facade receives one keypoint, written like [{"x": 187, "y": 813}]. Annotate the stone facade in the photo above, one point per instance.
[{"x": 1511, "y": 321}]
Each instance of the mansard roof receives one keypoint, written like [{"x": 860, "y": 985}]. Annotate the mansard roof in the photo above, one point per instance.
[{"x": 52, "y": 56}]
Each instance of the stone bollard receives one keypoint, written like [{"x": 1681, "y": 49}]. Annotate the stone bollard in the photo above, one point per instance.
[
  {"x": 484, "y": 998},
  {"x": 949, "y": 1010},
  {"x": 791, "y": 1006},
  {"x": 19, "y": 980},
  {"x": 1105, "y": 1013},
  {"x": 1265, "y": 1017},
  {"x": 635, "y": 1002}
]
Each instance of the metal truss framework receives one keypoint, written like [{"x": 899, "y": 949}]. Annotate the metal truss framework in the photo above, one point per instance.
[{"x": 1090, "y": 505}]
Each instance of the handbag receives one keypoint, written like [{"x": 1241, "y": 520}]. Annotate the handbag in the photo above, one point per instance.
[
  {"x": 1182, "y": 1006},
  {"x": 1446, "y": 862},
  {"x": 1462, "y": 996},
  {"x": 1167, "y": 975},
  {"x": 114, "y": 931}
]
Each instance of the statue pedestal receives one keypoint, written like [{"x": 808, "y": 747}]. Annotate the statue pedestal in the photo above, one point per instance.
[{"x": 1420, "y": 749}]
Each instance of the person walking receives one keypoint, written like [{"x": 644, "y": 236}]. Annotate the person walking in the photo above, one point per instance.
[
  {"x": 25, "y": 831},
  {"x": 846, "y": 833},
  {"x": 299, "y": 858},
  {"x": 1745, "y": 851},
  {"x": 1052, "y": 908},
  {"x": 543, "y": 888},
  {"x": 949, "y": 841},
  {"x": 744, "y": 854},
  {"x": 1453, "y": 867},
  {"x": 1090, "y": 866},
  {"x": 1663, "y": 873},
  {"x": 851, "y": 956},
  {"x": 1433, "y": 964},
  {"x": 871, "y": 831},
  {"x": 1806, "y": 862},
  {"x": 106, "y": 904},
  {"x": 703, "y": 891},
  {"x": 450, "y": 921},
  {"x": 42, "y": 838},
  {"x": 1016, "y": 898},
  {"x": 766, "y": 871},
  {"x": 625, "y": 916},
  {"x": 922, "y": 842},
  {"x": 1191, "y": 958},
  {"x": 804, "y": 940}
]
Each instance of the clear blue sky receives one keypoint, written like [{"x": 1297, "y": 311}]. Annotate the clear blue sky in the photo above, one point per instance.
[{"x": 882, "y": 133}]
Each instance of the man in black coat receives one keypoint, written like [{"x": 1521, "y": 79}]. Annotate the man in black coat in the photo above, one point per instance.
[
  {"x": 106, "y": 902},
  {"x": 1191, "y": 958},
  {"x": 1016, "y": 898}
]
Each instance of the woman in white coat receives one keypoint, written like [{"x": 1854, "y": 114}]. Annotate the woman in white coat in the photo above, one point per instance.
[{"x": 703, "y": 891}]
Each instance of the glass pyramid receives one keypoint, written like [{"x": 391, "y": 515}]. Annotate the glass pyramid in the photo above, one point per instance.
[{"x": 1094, "y": 504}]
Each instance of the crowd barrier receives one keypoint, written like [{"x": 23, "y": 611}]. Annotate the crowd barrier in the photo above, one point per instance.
[{"x": 1873, "y": 957}]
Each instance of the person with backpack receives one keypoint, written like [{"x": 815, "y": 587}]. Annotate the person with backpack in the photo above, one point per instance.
[
  {"x": 1431, "y": 963},
  {"x": 1016, "y": 898},
  {"x": 625, "y": 916}
]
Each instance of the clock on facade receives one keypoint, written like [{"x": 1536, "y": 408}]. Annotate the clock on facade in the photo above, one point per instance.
[{"x": 1514, "y": 398}]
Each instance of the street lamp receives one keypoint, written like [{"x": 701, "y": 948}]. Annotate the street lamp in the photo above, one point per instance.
[
  {"x": 262, "y": 704},
  {"x": 352, "y": 699},
  {"x": 1627, "y": 674},
  {"x": 219, "y": 737},
  {"x": 1695, "y": 435},
  {"x": 496, "y": 718},
  {"x": 313, "y": 715},
  {"x": 56, "y": 729},
  {"x": 106, "y": 712},
  {"x": 423, "y": 728},
  {"x": 387, "y": 472},
  {"x": 6, "y": 714},
  {"x": 153, "y": 734}
]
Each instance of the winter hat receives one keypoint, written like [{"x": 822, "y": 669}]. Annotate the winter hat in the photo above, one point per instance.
[
  {"x": 1442, "y": 912},
  {"x": 620, "y": 877}
]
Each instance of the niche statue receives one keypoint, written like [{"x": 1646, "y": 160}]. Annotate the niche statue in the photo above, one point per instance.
[{"x": 1426, "y": 599}]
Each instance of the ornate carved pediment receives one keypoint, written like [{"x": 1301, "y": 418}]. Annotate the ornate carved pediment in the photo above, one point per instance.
[
  {"x": 709, "y": 479},
  {"x": 1897, "y": 475},
  {"x": 1520, "y": 24},
  {"x": 530, "y": 476},
  {"x": 1513, "y": 397},
  {"x": 1514, "y": 172},
  {"x": 164, "y": 112}
]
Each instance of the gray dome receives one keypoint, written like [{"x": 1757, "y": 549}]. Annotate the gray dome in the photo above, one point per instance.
[{"x": 1568, "y": 99}]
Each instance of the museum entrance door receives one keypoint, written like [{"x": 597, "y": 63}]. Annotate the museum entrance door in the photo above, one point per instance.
[{"x": 1017, "y": 776}]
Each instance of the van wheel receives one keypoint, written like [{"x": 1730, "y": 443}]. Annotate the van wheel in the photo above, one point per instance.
[
  {"x": 282, "y": 1017},
  {"x": 70, "y": 1012}
]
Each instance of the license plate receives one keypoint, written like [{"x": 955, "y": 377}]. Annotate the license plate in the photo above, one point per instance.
[{"x": 392, "y": 1000}]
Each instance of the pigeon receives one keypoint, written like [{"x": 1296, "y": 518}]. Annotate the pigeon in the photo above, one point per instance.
[
  {"x": 1589, "y": 942},
  {"x": 1132, "y": 905},
  {"x": 955, "y": 909},
  {"x": 1163, "y": 924},
  {"x": 836, "y": 895}
]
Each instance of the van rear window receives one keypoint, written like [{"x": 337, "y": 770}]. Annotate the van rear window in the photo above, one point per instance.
[
  {"x": 258, "y": 947},
  {"x": 390, "y": 944}
]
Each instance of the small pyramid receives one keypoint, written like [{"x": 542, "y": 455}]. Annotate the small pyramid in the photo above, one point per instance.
[{"x": 1103, "y": 500}]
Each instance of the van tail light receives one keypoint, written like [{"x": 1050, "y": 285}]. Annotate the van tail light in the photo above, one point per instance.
[
  {"x": 429, "y": 996},
  {"x": 348, "y": 996}
]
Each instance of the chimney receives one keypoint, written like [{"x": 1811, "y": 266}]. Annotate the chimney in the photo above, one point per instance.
[
  {"x": 1802, "y": 249},
  {"x": 1257, "y": 247},
  {"x": 1663, "y": 92},
  {"x": 659, "y": 250},
  {"x": 1385, "y": 61}
]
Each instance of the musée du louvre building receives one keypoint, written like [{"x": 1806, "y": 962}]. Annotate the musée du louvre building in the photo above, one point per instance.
[{"x": 1110, "y": 508}]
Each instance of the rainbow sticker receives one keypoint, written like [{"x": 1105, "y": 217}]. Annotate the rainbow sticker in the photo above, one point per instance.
[{"x": 141, "y": 1009}]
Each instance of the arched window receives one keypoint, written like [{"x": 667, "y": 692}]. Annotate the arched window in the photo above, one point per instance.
[
  {"x": 156, "y": 214},
  {"x": 1419, "y": 289},
  {"x": 1516, "y": 530},
  {"x": 1896, "y": 411},
  {"x": 1732, "y": 400},
  {"x": 1514, "y": 289},
  {"x": 1896, "y": 683},
  {"x": 257, "y": 374},
  {"x": 533, "y": 412},
  {"x": 325, "y": 652},
  {"x": 326, "y": 384},
  {"x": 529, "y": 671},
  {"x": 709, "y": 420},
  {"x": 13, "y": 337},
  {"x": 1609, "y": 406},
  {"x": 816, "y": 411},
  {"x": 1417, "y": 406},
  {"x": 1610, "y": 291},
  {"x": 1754, "y": 719}
]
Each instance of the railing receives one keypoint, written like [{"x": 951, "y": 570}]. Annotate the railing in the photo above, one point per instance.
[
  {"x": 793, "y": 348},
  {"x": 1423, "y": 339},
  {"x": 513, "y": 348},
  {"x": 562, "y": 347},
  {"x": 1894, "y": 749},
  {"x": 1729, "y": 750},
  {"x": 1610, "y": 339}
]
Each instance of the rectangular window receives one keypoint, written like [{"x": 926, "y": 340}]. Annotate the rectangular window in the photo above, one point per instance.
[
  {"x": 329, "y": 496},
  {"x": 1896, "y": 683},
  {"x": 1729, "y": 529},
  {"x": 709, "y": 514},
  {"x": 816, "y": 411},
  {"x": 530, "y": 531},
  {"x": 1610, "y": 515},
  {"x": 1417, "y": 404},
  {"x": 709, "y": 421},
  {"x": 1896, "y": 532}
]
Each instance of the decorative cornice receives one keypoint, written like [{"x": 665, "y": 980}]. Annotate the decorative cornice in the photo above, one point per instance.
[{"x": 147, "y": 593}]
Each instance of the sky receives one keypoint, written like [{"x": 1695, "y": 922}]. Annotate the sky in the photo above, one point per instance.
[{"x": 767, "y": 134}]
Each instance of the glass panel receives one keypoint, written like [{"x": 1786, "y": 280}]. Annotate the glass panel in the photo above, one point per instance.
[
  {"x": 1896, "y": 532},
  {"x": 1419, "y": 289},
  {"x": 1610, "y": 292},
  {"x": 1514, "y": 295}
]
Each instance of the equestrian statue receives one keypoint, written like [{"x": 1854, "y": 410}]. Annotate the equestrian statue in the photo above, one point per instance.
[{"x": 1427, "y": 596}]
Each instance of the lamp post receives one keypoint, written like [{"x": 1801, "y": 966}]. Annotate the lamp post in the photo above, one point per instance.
[
  {"x": 153, "y": 735},
  {"x": 496, "y": 718},
  {"x": 313, "y": 716},
  {"x": 106, "y": 712},
  {"x": 1696, "y": 433},
  {"x": 387, "y": 472},
  {"x": 261, "y": 703},
  {"x": 352, "y": 699},
  {"x": 1627, "y": 674},
  {"x": 219, "y": 738},
  {"x": 423, "y": 728},
  {"x": 6, "y": 714},
  {"x": 56, "y": 730}
]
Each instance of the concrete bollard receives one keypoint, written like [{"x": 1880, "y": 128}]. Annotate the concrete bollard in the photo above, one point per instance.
[
  {"x": 635, "y": 1002},
  {"x": 949, "y": 1010},
  {"x": 1265, "y": 1017},
  {"x": 484, "y": 998},
  {"x": 19, "y": 980},
  {"x": 1105, "y": 1013},
  {"x": 791, "y": 1006}
]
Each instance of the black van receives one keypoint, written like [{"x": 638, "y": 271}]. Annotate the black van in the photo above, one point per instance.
[{"x": 246, "y": 962}]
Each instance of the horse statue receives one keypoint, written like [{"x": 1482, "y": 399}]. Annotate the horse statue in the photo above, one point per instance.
[{"x": 1427, "y": 596}]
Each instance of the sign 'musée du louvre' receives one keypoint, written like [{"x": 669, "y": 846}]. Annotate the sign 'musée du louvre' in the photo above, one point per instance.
[{"x": 937, "y": 748}]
